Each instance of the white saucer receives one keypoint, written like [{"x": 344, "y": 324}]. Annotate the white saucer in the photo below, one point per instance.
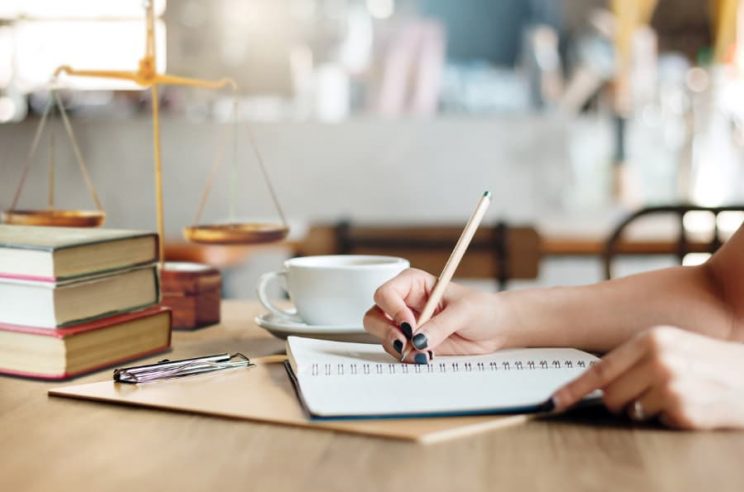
[{"x": 282, "y": 328}]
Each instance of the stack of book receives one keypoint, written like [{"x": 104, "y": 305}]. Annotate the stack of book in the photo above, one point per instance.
[{"x": 76, "y": 300}]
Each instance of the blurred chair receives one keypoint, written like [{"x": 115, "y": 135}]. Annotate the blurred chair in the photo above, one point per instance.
[
  {"x": 680, "y": 246},
  {"x": 500, "y": 252}
]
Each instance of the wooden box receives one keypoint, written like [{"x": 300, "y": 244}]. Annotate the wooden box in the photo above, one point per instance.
[{"x": 193, "y": 291}]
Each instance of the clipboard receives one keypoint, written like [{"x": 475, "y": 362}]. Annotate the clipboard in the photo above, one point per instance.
[{"x": 264, "y": 393}]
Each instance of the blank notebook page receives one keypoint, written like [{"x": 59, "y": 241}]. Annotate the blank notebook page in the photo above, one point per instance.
[{"x": 338, "y": 379}]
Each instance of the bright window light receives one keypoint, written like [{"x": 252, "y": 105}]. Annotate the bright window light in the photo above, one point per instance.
[
  {"x": 76, "y": 9},
  {"x": 6, "y": 55},
  {"x": 42, "y": 46},
  {"x": 381, "y": 9},
  {"x": 40, "y": 35},
  {"x": 692, "y": 259},
  {"x": 729, "y": 222},
  {"x": 699, "y": 223}
]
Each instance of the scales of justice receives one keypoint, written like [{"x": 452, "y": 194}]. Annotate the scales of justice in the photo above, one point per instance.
[{"x": 146, "y": 76}]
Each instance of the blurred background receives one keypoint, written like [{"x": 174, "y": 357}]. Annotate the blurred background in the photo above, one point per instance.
[{"x": 574, "y": 113}]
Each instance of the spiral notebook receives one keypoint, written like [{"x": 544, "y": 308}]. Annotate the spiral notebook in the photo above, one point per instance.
[{"x": 337, "y": 380}]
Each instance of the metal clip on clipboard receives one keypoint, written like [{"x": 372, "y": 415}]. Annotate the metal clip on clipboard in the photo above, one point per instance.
[{"x": 166, "y": 369}]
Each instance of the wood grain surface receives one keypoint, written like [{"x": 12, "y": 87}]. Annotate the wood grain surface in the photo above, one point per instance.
[{"x": 60, "y": 444}]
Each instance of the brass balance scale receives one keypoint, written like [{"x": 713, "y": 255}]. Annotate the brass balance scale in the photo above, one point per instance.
[
  {"x": 231, "y": 232},
  {"x": 52, "y": 215}
]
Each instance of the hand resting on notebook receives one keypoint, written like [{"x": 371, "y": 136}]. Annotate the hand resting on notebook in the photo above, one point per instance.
[{"x": 673, "y": 336}]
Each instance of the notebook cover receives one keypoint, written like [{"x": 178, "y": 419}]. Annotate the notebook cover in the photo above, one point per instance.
[{"x": 264, "y": 394}]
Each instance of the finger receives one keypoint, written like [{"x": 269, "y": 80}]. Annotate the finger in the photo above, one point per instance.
[
  {"x": 379, "y": 325},
  {"x": 651, "y": 404},
  {"x": 376, "y": 323},
  {"x": 633, "y": 383},
  {"x": 600, "y": 374},
  {"x": 419, "y": 357},
  {"x": 401, "y": 295},
  {"x": 678, "y": 406},
  {"x": 432, "y": 333}
]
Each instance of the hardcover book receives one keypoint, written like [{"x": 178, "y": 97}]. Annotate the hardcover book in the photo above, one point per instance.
[
  {"x": 82, "y": 348},
  {"x": 52, "y": 254},
  {"x": 53, "y": 304}
]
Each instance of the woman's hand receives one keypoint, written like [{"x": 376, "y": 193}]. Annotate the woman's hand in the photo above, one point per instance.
[
  {"x": 465, "y": 322},
  {"x": 687, "y": 380}
]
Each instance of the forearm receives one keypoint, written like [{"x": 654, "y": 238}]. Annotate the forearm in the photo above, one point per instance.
[{"x": 602, "y": 316}]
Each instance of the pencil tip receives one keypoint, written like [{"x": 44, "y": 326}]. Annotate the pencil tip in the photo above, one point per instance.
[{"x": 487, "y": 194}]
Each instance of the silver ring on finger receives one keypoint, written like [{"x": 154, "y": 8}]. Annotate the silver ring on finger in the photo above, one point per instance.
[{"x": 637, "y": 412}]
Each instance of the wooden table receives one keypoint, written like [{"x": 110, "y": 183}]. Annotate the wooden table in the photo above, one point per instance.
[{"x": 60, "y": 444}]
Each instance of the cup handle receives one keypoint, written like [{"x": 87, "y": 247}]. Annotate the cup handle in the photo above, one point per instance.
[{"x": 263, "y": 283}]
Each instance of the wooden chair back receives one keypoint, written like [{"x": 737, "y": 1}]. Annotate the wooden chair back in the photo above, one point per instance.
[
  {"x": 500, "y": 252},
  {"x": 678, "y": 247}
]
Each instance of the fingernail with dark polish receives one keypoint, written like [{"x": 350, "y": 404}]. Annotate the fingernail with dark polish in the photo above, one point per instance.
[
  {"x": 407, "y": 330},
  {"x": 421, "y": 359},
  {"x": 419, "y": 341},
  {"x": 398, "y": 346},
  {"x": 550, "y": 405}
]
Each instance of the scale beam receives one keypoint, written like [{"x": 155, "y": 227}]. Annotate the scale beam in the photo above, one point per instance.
[
  {"x": 146, "y": 79},
  {"x": 147, "y": 76}
]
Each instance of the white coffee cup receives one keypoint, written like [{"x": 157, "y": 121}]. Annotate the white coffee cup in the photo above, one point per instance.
[{"x": 330, "y": 290}]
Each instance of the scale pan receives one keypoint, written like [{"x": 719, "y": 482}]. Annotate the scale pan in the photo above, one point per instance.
[
  {"x": 54, "y": 217},
  {"x": 236, "y": 233}
]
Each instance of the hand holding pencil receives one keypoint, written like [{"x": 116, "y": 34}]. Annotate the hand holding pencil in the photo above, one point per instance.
[{"x": 417, "y": 315}]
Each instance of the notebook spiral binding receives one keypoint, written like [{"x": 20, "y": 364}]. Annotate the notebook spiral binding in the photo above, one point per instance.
[{"x": 379, "y": 368}]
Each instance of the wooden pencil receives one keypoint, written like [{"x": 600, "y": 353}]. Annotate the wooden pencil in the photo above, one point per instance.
[{"x": 451, "y": 266}]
